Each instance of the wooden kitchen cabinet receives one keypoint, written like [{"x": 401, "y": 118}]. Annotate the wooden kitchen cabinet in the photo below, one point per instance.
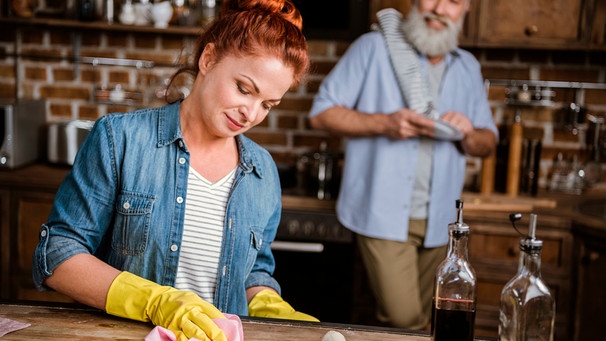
[
  {"x": 26, "y": 198},
  {"x": 494, "y": 253},
  {"x": 532, "y": 23}
]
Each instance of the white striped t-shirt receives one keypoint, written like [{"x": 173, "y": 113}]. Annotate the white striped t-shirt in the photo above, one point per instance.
[{"x": 202, "y": 234}]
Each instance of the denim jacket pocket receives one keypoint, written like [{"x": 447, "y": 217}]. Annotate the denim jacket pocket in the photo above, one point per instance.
[{"x": 133, "y": 219}]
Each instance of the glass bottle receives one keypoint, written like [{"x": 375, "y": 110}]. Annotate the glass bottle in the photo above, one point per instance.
[
  {"x": 454, "y": 302},
  {"x": 527, "y": 310}
]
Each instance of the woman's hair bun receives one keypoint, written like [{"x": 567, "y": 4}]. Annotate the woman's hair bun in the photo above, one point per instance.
[{"x": 284, "y": 8}]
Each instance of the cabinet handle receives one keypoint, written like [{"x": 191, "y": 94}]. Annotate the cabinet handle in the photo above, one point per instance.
[
  {"x": 591, "y": 257},
  {"x": 531, "y": 30}
]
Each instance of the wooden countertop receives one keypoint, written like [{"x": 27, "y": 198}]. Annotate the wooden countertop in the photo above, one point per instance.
[{"x": 61, "y": 323}]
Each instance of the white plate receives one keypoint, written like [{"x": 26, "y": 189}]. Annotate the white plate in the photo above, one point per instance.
[{"x": 445, "y": 131}]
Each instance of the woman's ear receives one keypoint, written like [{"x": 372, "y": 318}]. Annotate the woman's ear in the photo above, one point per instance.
[{"x": 207, "y": 59}]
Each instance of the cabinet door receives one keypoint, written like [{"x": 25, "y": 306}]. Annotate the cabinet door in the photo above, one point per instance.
[
  {"x": 530, "y": 23},
  {"x": 30, "y": 209},
  {"x": 5, "y": 244},
  {"x": 591, "y": 298}
]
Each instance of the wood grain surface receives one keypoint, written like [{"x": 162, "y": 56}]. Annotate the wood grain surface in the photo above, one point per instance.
[{"x": 60, "y": 323}]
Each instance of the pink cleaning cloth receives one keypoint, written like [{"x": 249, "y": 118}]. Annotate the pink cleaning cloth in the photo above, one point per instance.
[
  {"x": 8, "y": 326},
  {"x": 231, "y": 325}
]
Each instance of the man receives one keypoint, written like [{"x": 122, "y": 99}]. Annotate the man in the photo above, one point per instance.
[{"x": 400, "y": 179}]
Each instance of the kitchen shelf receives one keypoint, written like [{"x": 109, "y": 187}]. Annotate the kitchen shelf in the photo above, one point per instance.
[{"x": 97, "y": 26}]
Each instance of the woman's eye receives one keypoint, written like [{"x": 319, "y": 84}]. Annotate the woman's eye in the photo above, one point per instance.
[
  {"x": 242, "y": 90},
  {"x": 266, "y": 106}
]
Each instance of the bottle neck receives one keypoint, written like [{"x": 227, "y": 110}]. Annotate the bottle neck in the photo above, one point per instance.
[
  {"x": 457, "y": 244},
  {"x": 530, "y": 262}
]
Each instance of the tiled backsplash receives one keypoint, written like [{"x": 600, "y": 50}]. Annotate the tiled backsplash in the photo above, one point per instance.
[{"x": 39, "y": 63}]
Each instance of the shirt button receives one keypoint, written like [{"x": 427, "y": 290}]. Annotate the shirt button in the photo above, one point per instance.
[
  {"x": 174, "y": 247},
  {"x": 126, "y": 205},
  {"x": 224, "y": 270},
  {"x": 43, "y": 233},
  {"x": 181, "y": 160},
  {"x": 179, "y": 200}
]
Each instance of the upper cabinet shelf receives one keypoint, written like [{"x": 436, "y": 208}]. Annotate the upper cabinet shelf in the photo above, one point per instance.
[
  {"x": 98, "y": 26},
  {"x": 528, "y": 24}
]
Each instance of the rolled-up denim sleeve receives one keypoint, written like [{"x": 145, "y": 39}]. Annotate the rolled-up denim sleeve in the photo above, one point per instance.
[{"x": 82, "y": 209}]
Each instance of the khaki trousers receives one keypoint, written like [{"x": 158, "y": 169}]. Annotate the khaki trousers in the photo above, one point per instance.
[{"x": 401, "y": 276}]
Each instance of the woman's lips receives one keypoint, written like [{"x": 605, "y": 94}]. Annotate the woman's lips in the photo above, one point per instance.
[{"x": 234, "y": 124}]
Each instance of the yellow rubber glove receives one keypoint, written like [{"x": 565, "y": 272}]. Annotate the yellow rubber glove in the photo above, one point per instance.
[
  {"x": 183, "y": 312},
  {"x": 267, "y": 303}
]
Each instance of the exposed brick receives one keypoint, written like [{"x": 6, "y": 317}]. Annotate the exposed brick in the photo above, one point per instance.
[
  {"x": 595, "y": 96},
  {"x": 287, "y": 122},
  {"x": 569, "y": 74},
  {"x": 42, "y": 53},
  {"x": 60, "y": 38},
  {"x": 267, "y": 138},
  {"x": 121, "y": 77},
  {"x": 30, "y": 36},
  {"x": 321, "y": 67},
  {"x": 63, "y": 74},
  {"x": 341, "y": 48},
  {"x": 312, "y": 86},
  {"x": 60, "y": 110},
  {"x": 89, "y": 74},
  {"x": 88, "y": 112},
  {"x": 117, "y": 40},
  {"x": 7, "y": 71},
  {"x": 317, "y": 48},
  {"x": 172, "y": 43},
  {"x": 505, "y": 72},
  {"x": 35, "y": 73},
  {"x": 7, "y": 90},
  {"x": 303, "y": 104},
  {"x": 92, "y": 53},
  {"x": 49, "y": 91},
  {"x": 160, "y": 58},
  {"x": 91, "y": 38},
  {"x": 145, "y": 41}
]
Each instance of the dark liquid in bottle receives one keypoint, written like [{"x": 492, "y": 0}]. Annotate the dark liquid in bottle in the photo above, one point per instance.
[{"x": 451, "y": 325}]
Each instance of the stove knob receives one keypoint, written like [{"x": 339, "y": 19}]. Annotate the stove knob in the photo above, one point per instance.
[
  {"x": 293, "y": 227},
  {"x": 308, "y": 228}
]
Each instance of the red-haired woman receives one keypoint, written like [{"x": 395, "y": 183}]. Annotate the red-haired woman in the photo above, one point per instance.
[{"x": 168, "y": 213}]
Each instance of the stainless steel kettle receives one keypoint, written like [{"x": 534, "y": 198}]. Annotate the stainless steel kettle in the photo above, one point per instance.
[{"x": 319, "y": 173}]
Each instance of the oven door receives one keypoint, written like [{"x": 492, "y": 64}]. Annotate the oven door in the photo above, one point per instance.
[{"x": 315, "y": 265}]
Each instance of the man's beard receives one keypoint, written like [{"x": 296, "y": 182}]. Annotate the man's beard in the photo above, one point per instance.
[{"x": 429, "y": 41}]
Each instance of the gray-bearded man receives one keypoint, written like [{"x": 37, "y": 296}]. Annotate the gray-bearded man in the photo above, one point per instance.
[{"x": 403, "y": 172}]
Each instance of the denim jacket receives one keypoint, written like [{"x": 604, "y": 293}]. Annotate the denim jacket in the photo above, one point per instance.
[{"x": 124, "y": 199}]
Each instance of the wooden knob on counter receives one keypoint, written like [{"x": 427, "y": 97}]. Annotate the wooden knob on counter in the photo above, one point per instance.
[{"x": 488, "y": 170}]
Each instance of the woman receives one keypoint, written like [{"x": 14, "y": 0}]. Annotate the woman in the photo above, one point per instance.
[{"x": 168, "y": 213}]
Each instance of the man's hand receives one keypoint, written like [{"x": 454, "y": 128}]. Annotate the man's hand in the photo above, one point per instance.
[{"x": 407, "y": 123}]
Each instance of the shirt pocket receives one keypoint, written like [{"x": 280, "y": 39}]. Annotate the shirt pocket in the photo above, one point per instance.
[
  {"x": 255, "y": 245},
  {"x": 133, "y": 219}
]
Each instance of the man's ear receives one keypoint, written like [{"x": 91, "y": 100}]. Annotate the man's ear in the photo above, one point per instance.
[{"x": 207, "y": 58}]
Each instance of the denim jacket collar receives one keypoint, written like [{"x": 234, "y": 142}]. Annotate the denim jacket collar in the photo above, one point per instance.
[{"x": 169, "y": 131}]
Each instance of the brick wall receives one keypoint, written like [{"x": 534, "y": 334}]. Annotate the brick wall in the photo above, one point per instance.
[{"x": 39, "y": 63}]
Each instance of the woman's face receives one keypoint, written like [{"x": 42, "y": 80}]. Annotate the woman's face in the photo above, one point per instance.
[{"x": 236, "y": 93}]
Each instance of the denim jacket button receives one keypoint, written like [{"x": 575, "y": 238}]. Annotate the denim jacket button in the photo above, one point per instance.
[
  {"x": 43, "y": 233},
  {"x": 181, "y": 160},
  {"x": 126, "y": 205},
  {"x": 179, "y": 200},
  {"x": 174, "y": 247}
]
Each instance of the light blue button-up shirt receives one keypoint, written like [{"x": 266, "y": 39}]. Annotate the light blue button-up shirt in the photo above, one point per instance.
[
  {"x": 379, "y": 173},
  {"x": 124, "y": 201}
]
